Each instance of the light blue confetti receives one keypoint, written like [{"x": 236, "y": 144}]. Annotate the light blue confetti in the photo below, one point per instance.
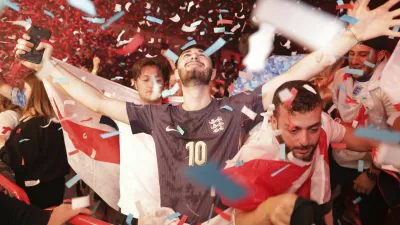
[
  {"x": 60, "y": 80},
  {"x": 202, "y": 17},
  {"x": 94, "y": 20},
  {"x": 227, "y": 107},
  {"x": 59, "y": 128},
  {"x": 129, "y": 219},
  {"x": 354, "y": 71},
  {"x": 180, "y": 130},
  {"x": 280, "y": 170},
  {"x": 220, "y": 17},
  {"x": 12, "y": 5},
  {"x": 86, "y": 6},
  {"x": 219, "y": 30},
  {"x": 342, "y": 88},
  {"x": 29, "y": 20},
  {"x": 171, "y": 55},
  {"x": 210, "y": 175},
  {"x": 370, "y": 54},
  {"x": 223, "y": 11},
  {"x": 190, "y": 43},
  {"x": 360, "y": 166},
  {"x": 228, "y": 33},
  {"x": 173, "y": 216},
  {"x": 148, "y": 11},
  {"x": 211, "y": 213},
  {"x": 395, "y": 29},
  {"x": 282, "y": 152},
  {"x": 73, "y": 181},
  {"x": 153, "y": 19},
  {"x": 349, "y": 19},
  {"x": 369, "y": 64},
  {"x": 190, "y": 38},
  {"x": 378, "y": 135},
  {"x": 357, "y": 200},
  {"x": 49, "y": 14},
  {"x": 89, "y": 30},
  {"x": 339, "y": 223},
  {"x": 215, "y": 47},
  {"x": 62, "y": 7},
  {"x": 111, "y": 134},
  {"x": 23, "y": 140},
  {"x": 239, "y": 163},
  {"x": 112, "y": 20},
  {"x": 340, "y": 2}
]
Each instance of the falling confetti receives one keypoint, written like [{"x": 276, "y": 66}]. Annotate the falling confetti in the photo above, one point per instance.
[
  {"x": 86, "y": 6},
  {"x": 23, "y": 140},
  {"x": 280, "y": 170},
  {"x": 73, "y": 181},
  {"x": 111, "y": 134}
]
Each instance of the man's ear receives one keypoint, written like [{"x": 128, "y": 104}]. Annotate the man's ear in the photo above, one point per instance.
[
  {"x": 133, "y": 84},
  {"x": 381, "y": 56},
  {"x": 274, "y": 123},
  {"x": 214, "y": 74}
]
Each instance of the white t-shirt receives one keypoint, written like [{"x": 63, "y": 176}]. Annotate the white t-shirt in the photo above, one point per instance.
[
  {"x": 10, "y": 119},
  {"x": 138, "y": 172}
]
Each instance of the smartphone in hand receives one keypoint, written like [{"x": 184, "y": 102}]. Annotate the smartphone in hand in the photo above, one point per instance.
[{"x": 37, "y": 34}]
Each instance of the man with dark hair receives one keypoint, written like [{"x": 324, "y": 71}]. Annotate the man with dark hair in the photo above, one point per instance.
[
  {"x": 306, "y": 132},
  {"x": 361, "y": 102},
  {"x": 203, "y": 128}
]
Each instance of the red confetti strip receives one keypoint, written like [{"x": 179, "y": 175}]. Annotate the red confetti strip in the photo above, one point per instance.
[
  {"x": 294, "y": 93},
  {"x": 73, "y": 152},
  {"x": 26, "y": 12},
  {"x": 183, "y": 220},
  {"x": 344, "y": 6},
  {"x": 131, "y": 46},
  {"x": 6, "y": 129},
  {"x": 220, "y": 82},
  {"x": 86, "y": 120},
  {"x": 397, "y": 106},
  {"x": 224, "y": 22},
  {"x": 338, "y": 145},
  {"x": 19, "y": 131},
  {"x": 224, "y": 215}
]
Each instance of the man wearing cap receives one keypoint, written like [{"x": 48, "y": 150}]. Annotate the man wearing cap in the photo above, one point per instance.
[{"x": 361, "y": 102}]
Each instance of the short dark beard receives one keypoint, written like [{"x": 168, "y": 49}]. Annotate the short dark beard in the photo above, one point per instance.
[
  {"x": 195, "y": 77},
  {"x": 363, "y": 78}
]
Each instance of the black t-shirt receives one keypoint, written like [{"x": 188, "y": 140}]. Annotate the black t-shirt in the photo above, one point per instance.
[{"x": 211, "y": 133}]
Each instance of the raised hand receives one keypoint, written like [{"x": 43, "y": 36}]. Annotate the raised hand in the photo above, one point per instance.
[{"x": 374, "y": 23}]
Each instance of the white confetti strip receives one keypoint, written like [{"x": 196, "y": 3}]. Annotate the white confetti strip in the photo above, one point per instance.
[
  {"x": 309, "y": 88},
  {"x": 285, "y": 95},
  {"x": 31, "y": 183},
  {"x": 248, "y": 112},
  {"x": 188, "y": 29},
  {"x": 80, "y": 202}
]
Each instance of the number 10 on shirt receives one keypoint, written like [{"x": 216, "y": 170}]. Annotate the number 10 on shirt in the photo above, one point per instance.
[{"x": 197, "y": 153}]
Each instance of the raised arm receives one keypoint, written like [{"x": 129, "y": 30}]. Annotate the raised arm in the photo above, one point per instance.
[
  {"x": 358, "y": 144},
  {"x": 76, "y": 88},
  {"x": 370, "y": 24}
]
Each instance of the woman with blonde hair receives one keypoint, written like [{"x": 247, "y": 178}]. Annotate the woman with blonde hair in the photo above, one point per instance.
[{"x": 35, "y": 150}]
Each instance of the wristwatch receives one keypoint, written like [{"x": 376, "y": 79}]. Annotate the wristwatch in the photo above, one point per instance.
[{"x": 372, "y": 176}]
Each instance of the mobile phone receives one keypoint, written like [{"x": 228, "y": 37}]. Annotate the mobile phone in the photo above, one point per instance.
[{"x": 36, "y": 34}]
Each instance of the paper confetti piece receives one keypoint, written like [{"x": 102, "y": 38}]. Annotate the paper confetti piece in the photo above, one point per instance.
[
  {"x": 210, "y": 175},
  {"x": 344, "y": 6},
  {"x": 339, "y": 223},
  {"x": 128, "y": 5},
  {"x": 175, "y": 19},
  {"x": 395, "y": 29},
  {"x": 171, "y": 55},
  {"x": 342, "y": 88},
  {"x": 95, "y": 20},
  {"x": 59, "y": 128},
  {"x": 357, "y": 200},
  {"x": 360, "y": 166},
  {"x": 23, "y": 140},
  {"x": 338, "y": 145},
  {"x": 370, "y": 54},
  {"x": 369, "y": 64},
  {"x": 12, "y": 5},
  {"x": 80, "y": 202},
  {"x": 129, "y": 219},
  {"x": 49, "y": 14},
  {"x": 60, "y": 80},
  {"x": 132, "y": 46},
  {"x": 86, "y": 6},
  {"x": 183, "y": 220},
  {"x": 180, "y": 130},
  {"x": 18, "y": 131},
  {"x": 280, "y": 170},
  {"x": 237, "y": 26},
  {"x": 309, "y": 88},
  {"x": 349, "y": 19},
  {"x": 219, "y": 22},
  {"x": 282, "y": 152},
  {"x": 111, "y": 134},
  {"x": 354, "y": 71},
  {"x": 153, "y": 19},
  {"x": 378, "y": 135},
  {"x": 249, "y": 113},
  {"x": 73, "y": 181},
  {"x": 173, "y": 216},
  {"x": 239, "y": 163},
  {"x": 188, "y": 29},
  {"x": 223, "y": 214},
  {"x": 285, "y": 95},
  {"x": 73, "y": 152},
  {"x": 227, "y": 107},
  {"x": 219, "y": 30},
  {"x": 117, "y": 8},
  {"x": 215, "y": 47},
  {"x": 193, "y": 42},
  {"x": 196, "y": 23},
  {"x": 112, "y": 20},
  {"x": 223, "y": 11},
  {"x": 31, "y": 183},
  {"x": 355, "y": 123}
]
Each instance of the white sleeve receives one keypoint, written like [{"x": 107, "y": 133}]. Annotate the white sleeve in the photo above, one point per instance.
[
  {"x": 334, "y": 130},
  {"x": 9, "y": 118}
]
